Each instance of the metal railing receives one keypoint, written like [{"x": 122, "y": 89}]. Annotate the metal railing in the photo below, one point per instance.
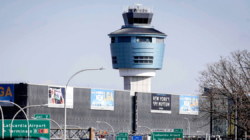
[{"x": 71, "y": 134}]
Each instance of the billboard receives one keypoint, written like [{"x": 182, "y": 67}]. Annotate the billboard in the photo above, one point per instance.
[
  {"x": 56, "y": 96},
  {"x": 189, "y": 105},
  {"x": 102, "y": 99},
  {"x": 160, "y": 103},
  {"x": 6, "y": 94}
]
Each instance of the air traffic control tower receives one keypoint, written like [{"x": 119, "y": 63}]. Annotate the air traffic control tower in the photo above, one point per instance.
[{"x": 137, "y": 49}]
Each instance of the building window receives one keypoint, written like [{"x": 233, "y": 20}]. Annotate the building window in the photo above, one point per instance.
[
  {"x": 124, "y": 39},
  {"x": 138, "y": 20},
  {"x": 112, "y": 39},
  {"x": 144, "y": 39},
  {"x": 159, "y": 40},
  {"x": 114, "y": 60},
  {"x": 143, "y": 59}
]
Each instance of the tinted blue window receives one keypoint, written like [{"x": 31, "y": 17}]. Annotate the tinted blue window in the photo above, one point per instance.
[
  {"x": 144, "y": 39},
  {"x": 124, "y": 39},
  {"x": 112, "y": 39}
]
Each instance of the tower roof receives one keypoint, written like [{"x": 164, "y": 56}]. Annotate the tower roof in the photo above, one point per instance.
[
  {"x": 137, "y": 15},
  {"x": 140, "y": 31}
]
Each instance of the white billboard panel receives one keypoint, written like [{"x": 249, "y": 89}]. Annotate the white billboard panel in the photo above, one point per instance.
[{"x": 56, "y": 96}]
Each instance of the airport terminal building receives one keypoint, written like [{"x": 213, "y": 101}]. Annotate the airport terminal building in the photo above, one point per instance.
[{"x": 121, "y": 109}]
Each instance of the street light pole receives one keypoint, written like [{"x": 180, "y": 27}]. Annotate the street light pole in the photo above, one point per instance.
[
  {"x": 20, "y": 111},
  {"x": 109, "y": 125},
  {"x": 2, "y": 122},
  {"x": 188, "y": 126},
  {"x": 23, "y": 113},
  {"x": 65, "y": 110}
]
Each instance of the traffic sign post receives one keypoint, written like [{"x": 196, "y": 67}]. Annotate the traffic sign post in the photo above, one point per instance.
[
  {"x": 37, "y": 128},
  {"x": 175, "y": 134},
  {"x": 122, "y": 136},
  {"x": 42, "y": 116},
  {"x": 178, "y": 130},
  {"x": 137, "y": 137}
]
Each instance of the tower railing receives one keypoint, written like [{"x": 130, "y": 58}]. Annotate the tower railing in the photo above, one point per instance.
[{"x": 137, "y": 9}]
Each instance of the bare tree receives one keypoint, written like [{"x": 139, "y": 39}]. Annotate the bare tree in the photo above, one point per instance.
[{"x": 227, "y": 85}]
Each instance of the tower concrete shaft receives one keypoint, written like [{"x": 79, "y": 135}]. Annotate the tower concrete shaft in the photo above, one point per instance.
[
  {"x": 137, "y": 79},
  {"x": 137, "y": 83}
]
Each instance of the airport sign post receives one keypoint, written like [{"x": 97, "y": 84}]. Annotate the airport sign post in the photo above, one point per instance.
[
  {"x": 38, "y": 128},
  {"x": 122, "y": 136},
  {"x": 176, "y": 134}
]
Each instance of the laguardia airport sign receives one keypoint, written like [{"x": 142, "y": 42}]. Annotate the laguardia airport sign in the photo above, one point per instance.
[
  {"x": 38, "y": 128},
  {"x": 175, "y": 134}
]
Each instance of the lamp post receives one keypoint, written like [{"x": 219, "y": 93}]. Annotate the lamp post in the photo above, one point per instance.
[
  {"x": 2, "y": 122},
  {"x": 109, "y": 125},
  {"x": 188, "y": 126},
  {"x": 148, "y": 129},
  {"x": 20, "y": 111},
  {"x": 65, "y": 110},
  {"x": 49, "y": 120},
  {"x": 23, "y": 113}
]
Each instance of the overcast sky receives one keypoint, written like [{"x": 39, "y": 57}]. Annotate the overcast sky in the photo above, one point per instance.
[{"x": 46, "y": 42}]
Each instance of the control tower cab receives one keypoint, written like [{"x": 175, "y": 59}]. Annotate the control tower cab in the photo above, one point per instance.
[{"x": 137, "y": 49}]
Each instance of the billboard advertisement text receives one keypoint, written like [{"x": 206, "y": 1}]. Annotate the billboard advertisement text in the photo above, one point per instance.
[
  {"x": 160, "y": 103},
  {"x": 102, "y": 99},
  {"x": 6, "y": 94},
  {"x": 189, "y": 105}
]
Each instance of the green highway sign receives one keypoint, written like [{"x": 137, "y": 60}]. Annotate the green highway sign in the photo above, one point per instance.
[
  {"x": 122, "y": 138},
  {"x": 37, "y": 128},
  {"x": 166, "y": 135},
  {"x": 42, "y": 116},
  {"x": 123, "y": 134},
  {"x": 178, "y": 130}
]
